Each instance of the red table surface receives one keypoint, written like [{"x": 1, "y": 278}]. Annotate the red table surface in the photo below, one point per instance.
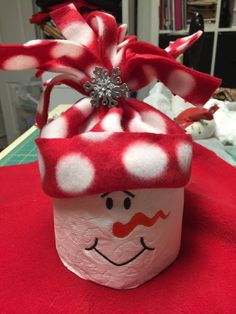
[{"x": 202, "y": 280}]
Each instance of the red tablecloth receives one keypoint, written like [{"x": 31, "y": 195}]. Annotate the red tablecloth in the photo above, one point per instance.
[{"x": 202, "y": 280}]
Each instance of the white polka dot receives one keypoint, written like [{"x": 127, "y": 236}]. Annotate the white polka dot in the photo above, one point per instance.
[
  {"x": 149, "y": 121},
  {"x": 154, "y": 120},
  {"x": 84, "y": 106},
  {"x": 112, "y": 52},
  {"x": 117, "y": 57},
  {"x": 186, "y": 39},
  {"x": 98, "y": 25},
  {"x": 55, "y": 129},
  {"x": 189, "y": 38},
  {"x": 20, "y": 62},
  {"x": 184, "y": 155},
  {"x": 33, "y": 42},
  {"x": 74, "y": 173},
  {"x": 41, "y": 165},
  {"x": 181, "y": 83},
  {"x": 79, "y": 32},
  {"x": 123, "y": 30},
  {"x": 96, "y": 136},
  {"x": 137, "y": 125},
  {"x": 145, "y": 161},
  {"x": 185, "y": 42},
  {"x": 67, "y": 49},
  {"x": 168, "y": 49},
  {"x": 111, "y": 122},
  {"x": 182, "y": 47},
  {"x": 121, "y": 45}
]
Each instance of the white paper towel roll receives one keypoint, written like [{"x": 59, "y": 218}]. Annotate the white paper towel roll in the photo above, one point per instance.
[{"x": 120, "y": 239}]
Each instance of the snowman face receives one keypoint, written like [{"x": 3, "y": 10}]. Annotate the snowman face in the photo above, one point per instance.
[
  {"x": 119, "y": 239},
  {"x": 201, "y": 129}
]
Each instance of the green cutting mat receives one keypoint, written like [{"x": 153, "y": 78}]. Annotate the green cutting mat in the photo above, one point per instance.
[
  {"x": 26, "y": 150},
  {"x": 23, "y": 153}
]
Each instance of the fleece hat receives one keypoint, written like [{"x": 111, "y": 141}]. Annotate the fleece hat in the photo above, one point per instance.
[{"x": 108, "y": 141}]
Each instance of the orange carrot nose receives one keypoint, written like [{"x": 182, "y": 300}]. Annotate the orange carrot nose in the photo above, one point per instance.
[{"x": 121, "y": 230}]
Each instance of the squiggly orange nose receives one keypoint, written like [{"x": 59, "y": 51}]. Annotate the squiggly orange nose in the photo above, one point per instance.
[{"x": 121, "y": 230}]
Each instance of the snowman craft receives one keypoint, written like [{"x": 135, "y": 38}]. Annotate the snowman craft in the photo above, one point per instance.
[
  {"x": 115, "y": 167},
  {"x": 199, "y": 122}
]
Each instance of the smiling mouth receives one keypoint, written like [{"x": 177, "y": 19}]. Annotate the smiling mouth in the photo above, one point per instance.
[{"x": 145, "y": 248}]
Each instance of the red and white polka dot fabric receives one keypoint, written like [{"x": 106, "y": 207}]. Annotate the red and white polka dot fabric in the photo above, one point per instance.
[
  {"x": 91, "y": 150},
  {"x": 95, "y": 150},
  {"x": 97, "y": 41},
  {"x": 181, "y": 44}
]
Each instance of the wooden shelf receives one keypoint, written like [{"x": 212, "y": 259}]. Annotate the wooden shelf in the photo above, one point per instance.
[
  {"x": 151, "y": 26},
  {"x": 227, "y": 29},
  {"x": 173, "y": 32},
  {"x": 209, "y": 27}
]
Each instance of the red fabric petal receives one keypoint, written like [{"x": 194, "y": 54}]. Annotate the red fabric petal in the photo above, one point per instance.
[
  {"x": 180, "y": 45},
  {"x": 77, "y": 3},
  {"x": 39, "y": 18},
  {"x": 48, "y": 55},
  {"x": 191, "y": 85},
  {"x": 98, "y": 41},
  {"x": 26, "y": 56},
  {"x": 143, "y": 48},
  {"x": 127, "y": 40},
  {"x": 74, "y": 27},
  {"x": 121, "y": 32},
  {"x": 104, "y": 25},
  {"x": 120, "y": 59}
]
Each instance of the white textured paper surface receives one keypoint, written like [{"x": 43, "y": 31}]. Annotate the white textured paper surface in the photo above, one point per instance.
[{"x": 87, "y": 245}]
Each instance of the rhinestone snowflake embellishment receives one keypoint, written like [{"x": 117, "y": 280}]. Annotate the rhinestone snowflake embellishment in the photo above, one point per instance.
[{"x": 106, "y": 89}]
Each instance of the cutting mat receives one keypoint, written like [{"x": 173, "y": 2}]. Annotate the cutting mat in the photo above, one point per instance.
[
  {"x": 23, "y": 153},
  {"x": 23, "y": 150}
]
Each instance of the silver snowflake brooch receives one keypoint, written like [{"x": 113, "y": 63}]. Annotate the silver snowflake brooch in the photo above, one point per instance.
[{"x": 106, "y": 89}]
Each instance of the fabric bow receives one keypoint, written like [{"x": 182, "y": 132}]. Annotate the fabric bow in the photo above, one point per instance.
[{"x": 97, "y": 41}]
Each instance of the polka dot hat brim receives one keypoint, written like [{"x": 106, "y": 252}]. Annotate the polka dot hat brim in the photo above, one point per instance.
[{"x": 95, "y": 150}]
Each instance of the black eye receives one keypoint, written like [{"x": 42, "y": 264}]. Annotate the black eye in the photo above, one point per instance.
[
  {"x": 127, "y": 203},
  {"x": 109, "y": 203}
]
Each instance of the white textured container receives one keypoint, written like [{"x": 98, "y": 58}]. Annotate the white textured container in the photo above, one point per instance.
[{"x": 90, "y": 245}]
